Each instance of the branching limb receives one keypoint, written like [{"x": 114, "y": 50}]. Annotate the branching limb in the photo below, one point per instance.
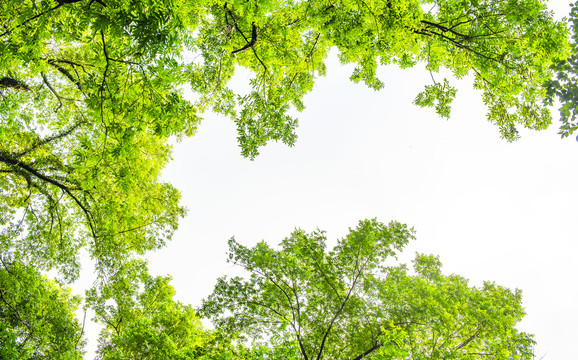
[
  {"x": 368, "y": 351},
  {"x": 53, "y": 91},
  {"x": 51, "y": 138},
  {"x": 66, "y": 73},
  {"x": 7, "y": 159},
  {"x": 467, "y": 341},
  {"x": 249, "y": 43},
  {"x": 107, "y": 61},
  {"x": 7, "y": 32}
]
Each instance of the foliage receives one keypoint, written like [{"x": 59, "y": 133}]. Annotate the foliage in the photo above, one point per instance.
[
  {"x": 91, "y": 91},
  {"x": 565, "y": 86},
  {"x": 351, "y": 302},
  {"x": 142, "y": 321},
  {"x": 89, "y": 96},
  {"x": 285, "y": 44},
  {"x": 37, "y": 318}
]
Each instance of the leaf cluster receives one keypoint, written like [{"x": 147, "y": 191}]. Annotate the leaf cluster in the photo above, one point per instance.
[
  {"x": 37, "y": 315},
  {"x": 565, "y": 86},
  {"x": 351, "y": 302}
]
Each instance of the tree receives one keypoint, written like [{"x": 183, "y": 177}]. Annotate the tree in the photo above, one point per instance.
[
  {"x": 89, "y": 96},
  {"x": 37, "y": 319},
  {"x": 285, "y": 44},
  {"x": 142, "y": 321},
  {"x": 307, "y": 302},
  {"x": 565, "y": 86},
  {"x": 91, "y": 91}
]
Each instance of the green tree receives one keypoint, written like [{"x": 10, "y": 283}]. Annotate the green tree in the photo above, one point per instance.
[
  {"x": 565, "y": 86},
  {"x": 507, "y": 46},
  {"x": 91, "y": 91},
  {"x": 88, "y": 97},
  {"x": 305, "y": 301},
  {"x": 141, "y": 320},
  {"x": 37, "y": 319}
]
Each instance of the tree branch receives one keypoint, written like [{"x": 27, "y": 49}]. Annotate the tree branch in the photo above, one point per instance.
[
  {"x": 337, "y": 314},
  {"x": 66, "y": 72},
  {"x": 29, "y": 20},
  {"x": 461, "y": 46},
  {"x": 467, "y": 341},
  {"x": 5, "y": 158},
  {"x": 107, "y": 61},
  {"x": 50, "y": 139},
  {"x": 368, "y": 351},
  {"x": 249, "y": 43}
]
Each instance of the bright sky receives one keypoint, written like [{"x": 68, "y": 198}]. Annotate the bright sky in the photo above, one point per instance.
[{"x": 492, "y": 210}]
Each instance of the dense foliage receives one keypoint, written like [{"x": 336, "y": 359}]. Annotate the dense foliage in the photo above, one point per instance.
[
  {"x": 351, "y": 302},
  {"x": 285, "y": 44},
  {"x": 88, "y": 99},
  {"x": 91, "y": 91},
  {"x": 37, "y": 319},
  {"x": 141, "y": 320},
  {"x": 565, "y": 86}
]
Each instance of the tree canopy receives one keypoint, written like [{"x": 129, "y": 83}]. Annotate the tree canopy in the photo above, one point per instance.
[
  {"x": 305, "y": 301},
  {"x": 141, "y": 320},
  {"x": 565, "y": 86},
  {"x": 88, "y": 100},
  {"x": 285, "y": 44},
  {"x": 36, "y": 315},
  {"x": 91, "y": 91}
]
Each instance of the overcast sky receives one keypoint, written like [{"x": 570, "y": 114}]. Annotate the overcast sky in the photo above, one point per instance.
[{"x": 492, "y": 210}]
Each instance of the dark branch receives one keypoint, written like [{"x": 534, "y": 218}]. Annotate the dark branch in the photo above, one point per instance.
[
  {"x": 444, "y": 29},
  {"x": 5, "y": 158},
  {"x": 339, "y": 311},
  {"x": 66, "y": 73},
  {"x": 107, "y": 61},
  {"x": 7, "y": 82},
  {"x": 249, "y": 43},
  {"x": 460, "y": 45},
  {"x": 60, "y": 98},
  {"x": 467, "y": 341},
  {"x": 50, "y": 139},
  {"x": 29, "y": 20},
  {"x": 368, "y": 351}
]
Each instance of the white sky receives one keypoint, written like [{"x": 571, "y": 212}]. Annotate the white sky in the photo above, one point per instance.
[{"x": 492, "y": 210}]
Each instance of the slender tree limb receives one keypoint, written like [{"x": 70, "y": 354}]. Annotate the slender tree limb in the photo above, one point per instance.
[
  {"x": 249, "y": 44},
  {"x": 81, "y": 332},
  {"x": 53, "y": 91},
  {"x": 467, "y": 341},
  {"x": 107, "y": 61},
  {"x": 66, "y": 73},
  {"x": 339, "y": 311},
  {"x": 444, "y": 29},
  {"x": 31, "y": 19},
  {"x": 461, "y": 46},
  {"x": 5, "y": 158},
  {"x": 267, "y": 307},
  {"x": 368, "y": 351},
  {"x": 323, "y": 274}
]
